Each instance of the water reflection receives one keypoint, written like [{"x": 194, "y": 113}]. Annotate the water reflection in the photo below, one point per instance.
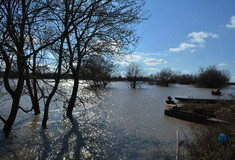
[{"x": 124, "y": 124}]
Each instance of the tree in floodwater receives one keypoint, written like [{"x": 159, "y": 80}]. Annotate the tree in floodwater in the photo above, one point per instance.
[
  {"x": 23, "y": 23},
  {"x": 98, "y": 69},
  {"x": 67, "y": 16},
  {"x": 106, "y": 28},
  {"x": 165, "y": 76},
  {"x": 211, "y": 77},
  {"x": 69, "y": 29},
  {"x": 133, "y": 75}
]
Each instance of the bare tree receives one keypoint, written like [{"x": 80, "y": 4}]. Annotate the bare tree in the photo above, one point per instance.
[
  {"x": 133, "y": 74},
  {"x": 107, "y": 28},
  {"x": 165, "y": 76},
  {"x": 72, "y": 30},
  {"x": 23, "y": 23},
  {"x": 211, "y": 77},
  {"x": 98, "y": 69}
]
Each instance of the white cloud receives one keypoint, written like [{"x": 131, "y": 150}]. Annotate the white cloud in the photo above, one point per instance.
[
  {"x": 133, "y": 58},
  {"x": 153, "y": 69},
  {"x": 151, "y": 54},
  {"x": 153, "y": 61},
  {"x": 193, "y": 50},
  {"x": 199, "y": 37},
  {"x": 123, "y": 63},
  {"x": 182, "y": 47},
  {"x": 232, "y": 23},
  {"x": 127, "y": 59},
  {"x": 197, "y": 40},
  {"x": 222, "y": 64}
]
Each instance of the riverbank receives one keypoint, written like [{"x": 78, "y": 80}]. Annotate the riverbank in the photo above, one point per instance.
[{"x": 205, "y": 143}]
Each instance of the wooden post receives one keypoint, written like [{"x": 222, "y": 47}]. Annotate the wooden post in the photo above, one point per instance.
[{"x": 177, "y": 145}]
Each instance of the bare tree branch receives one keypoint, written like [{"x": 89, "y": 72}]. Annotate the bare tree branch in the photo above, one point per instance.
[
  {"x": 26, "y": 111},
  {"x": 4, "y": 121}
]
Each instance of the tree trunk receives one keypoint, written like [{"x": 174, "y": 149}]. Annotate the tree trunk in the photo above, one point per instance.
[
  {"x": 57, "y": 81},
  {"x": 11, "y": 119},
  {"x": 33, "y": 97},
  {"x": 46, "y": 109},
  {"x": 72, "y": 100},
  {"x": 15, "y": 101},
  {"x": 36, "y": 107}
]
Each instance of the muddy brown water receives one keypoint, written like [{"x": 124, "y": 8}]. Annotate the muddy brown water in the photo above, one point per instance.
[{"x": 123, "y": 123}]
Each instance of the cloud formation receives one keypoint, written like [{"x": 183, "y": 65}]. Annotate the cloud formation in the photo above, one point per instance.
[
  {"x": 133, "y": 58},
  {"x": 151, "y": 54},
  {"x": 152, "y": 69},
  {"x": 199, "y": 37},
  {"x": 193, "y": 50},
  {"x": 123, "y": 63},
  {"x": 232, "y": 23},
  {"x": 128, "y": 59},
  {"x": 182, "y": 47},
  {"x": 222, "y": 64},
  {"x": 154, "y": 61}
]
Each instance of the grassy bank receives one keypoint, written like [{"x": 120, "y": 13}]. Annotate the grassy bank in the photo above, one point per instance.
[{"x": 204, "y": 144}]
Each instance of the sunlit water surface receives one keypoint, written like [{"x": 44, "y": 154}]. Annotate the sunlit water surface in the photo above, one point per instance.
[{"x": 122, "y": 123}]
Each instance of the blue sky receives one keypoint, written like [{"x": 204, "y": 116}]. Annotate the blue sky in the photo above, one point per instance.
[{"x": 187, "y": 34}]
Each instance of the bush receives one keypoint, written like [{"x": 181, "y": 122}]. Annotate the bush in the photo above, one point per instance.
[
  {"x": 204, "y": 144},
  {"x": 211, "y": 77},
  {"x": 186, "y": 79},
  {"x": 165, "y": 77}
]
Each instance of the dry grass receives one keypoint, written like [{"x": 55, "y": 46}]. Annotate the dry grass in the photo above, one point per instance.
[{"x": 203, "y": 144}]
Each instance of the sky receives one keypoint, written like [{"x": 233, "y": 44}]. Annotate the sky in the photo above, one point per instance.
[{"x": 185, "y": 35}]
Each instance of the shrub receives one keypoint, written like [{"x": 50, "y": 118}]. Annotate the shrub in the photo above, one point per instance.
[
  {"x": 211, "y": 77},
  {"x": 165, "y": 77},
  {"x": 204, "y": 144}
]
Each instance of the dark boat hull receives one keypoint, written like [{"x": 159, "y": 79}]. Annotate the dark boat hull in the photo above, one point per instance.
[
  {"x": 207, "y": 101},
  {"x": 196, "y": 118},
  {"x": 216, "y": 93},
  {"x": 192, "y": 100},
  {"x": 193, "y": 117}
]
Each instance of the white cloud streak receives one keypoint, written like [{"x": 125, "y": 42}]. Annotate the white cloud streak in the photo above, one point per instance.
[
  {"x": 152, "y": 69},
  {"x": 133, "y": 58},
  {"x": 154, "y": 61},
  {"x": 128, "y": 59},
  {"x": 199, "y": 37},
  {"x": 222, "y": 64},
  {"x": 151, "y": 54},
  {"x": 193, "y": 50},
  {"x": 123, "y": 63},
  {"x": 182, "y": 47},
  {"x": 232, "y": 23}
]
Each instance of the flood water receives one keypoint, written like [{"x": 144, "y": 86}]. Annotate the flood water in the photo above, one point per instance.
[{"x": 123, "y": 123}]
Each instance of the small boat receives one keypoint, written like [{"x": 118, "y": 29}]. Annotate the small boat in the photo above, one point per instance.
[
  {"x": 194, "y": 100},
  {"x": 169, "y": 104},
  {"x": 204, "y": 101},
  {"x": 196, "y": 118},
  {"x": 192, "y": 117},
  {"x": 216, "y": 93},
  {"x": 172, "y": 110}
]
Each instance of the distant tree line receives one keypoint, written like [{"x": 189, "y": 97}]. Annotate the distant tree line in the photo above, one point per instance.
[{"x": 209, "y": 77}]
